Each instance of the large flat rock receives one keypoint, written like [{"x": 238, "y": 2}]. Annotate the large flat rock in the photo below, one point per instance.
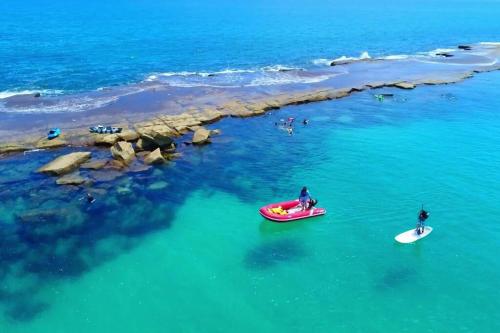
[{"x": 65, "y": 164}]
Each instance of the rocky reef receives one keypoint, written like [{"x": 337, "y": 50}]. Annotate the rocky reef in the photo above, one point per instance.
[{"x": 159, "y": 115}]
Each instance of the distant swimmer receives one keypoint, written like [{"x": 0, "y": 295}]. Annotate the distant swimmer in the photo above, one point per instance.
[
  {"x": 90, "y": 198},
  {"x": 305, "y": 121},
  {"x": 290, "y": 130}
]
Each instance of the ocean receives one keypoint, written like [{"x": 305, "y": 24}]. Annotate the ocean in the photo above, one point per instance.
[
  {"x": 66, "y": 46},
  {"x": 181, "y": 247}
]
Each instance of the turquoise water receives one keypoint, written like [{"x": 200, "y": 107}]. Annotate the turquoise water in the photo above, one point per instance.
[
  {"x": 64, "y": 46},
  {"x": 182, "y": 247}
]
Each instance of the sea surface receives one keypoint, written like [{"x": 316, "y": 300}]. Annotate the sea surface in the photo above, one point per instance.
[
  {"x": 181, "y": 247},
  {"x": 59, "y": 46}
]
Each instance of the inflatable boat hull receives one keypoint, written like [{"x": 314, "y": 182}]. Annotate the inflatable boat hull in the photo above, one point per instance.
[{"x": 293, "y": 211}]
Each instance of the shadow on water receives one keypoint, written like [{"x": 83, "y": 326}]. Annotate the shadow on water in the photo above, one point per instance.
[
  {"x": 270, "y": 254},
  {"x": 396, "y": 278},
  {"x": 274, "y": 228}
]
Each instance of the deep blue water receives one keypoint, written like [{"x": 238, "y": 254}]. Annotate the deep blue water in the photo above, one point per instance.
[{"x": 84, "y": 45}]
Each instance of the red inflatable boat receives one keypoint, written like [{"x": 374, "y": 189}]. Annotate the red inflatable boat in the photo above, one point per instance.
[{"x": 289, "y": 211}]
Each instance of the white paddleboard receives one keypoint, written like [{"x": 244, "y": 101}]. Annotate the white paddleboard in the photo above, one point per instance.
[{"x": 411, "y": 235}]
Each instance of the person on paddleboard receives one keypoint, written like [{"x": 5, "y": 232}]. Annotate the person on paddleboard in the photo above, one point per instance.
[
  {"x": 422, "y": 216},
  {"x": 304, "y": 198}
]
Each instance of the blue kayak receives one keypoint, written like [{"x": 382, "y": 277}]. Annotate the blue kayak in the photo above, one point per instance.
[{"x": 53, "y": 133}]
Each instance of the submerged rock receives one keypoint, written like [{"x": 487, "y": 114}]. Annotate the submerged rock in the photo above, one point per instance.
[
  {"x": 154, "y": 157},
  {"x": 115, "y": 165},
  {"x": 138, "y": 167},
  {"x": 48, "y": 224},
  {"x": 123, "y": 152},
  {"x": 65, "y": 163},
  {"x": 94, "y": 164},
  {"x": 215, "y": 132},
  {"x": 71, "y": 179},
  {"x": 173, "y": 156},
  {"x": 158, "y": 186},
  {"x": 105, "y": 175},
  {"x": 200, "y": 136}
]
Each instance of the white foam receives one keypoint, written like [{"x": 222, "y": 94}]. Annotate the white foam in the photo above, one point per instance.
[
  {"x": 283, "y": 80},
  {"x": 434, "y": 53},
  {"x": 363, "y": 56},
  {"x": 490, "y": 43},
  {"x": 395, "y": 57},
  {"x": 11, "y": 93},
  {"x": 428, "y": 61},
  {"x": 75, "y": 104},
  {"x": 322, "y": 61},
  {"x": 280, "y": 68}
]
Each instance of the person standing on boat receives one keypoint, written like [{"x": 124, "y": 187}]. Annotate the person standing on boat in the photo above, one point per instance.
[
  {"x": 422, "y": 216},
  {"x": 304, "y": 198}
]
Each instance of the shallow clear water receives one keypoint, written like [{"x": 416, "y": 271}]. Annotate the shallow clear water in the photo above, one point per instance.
[
  {"x": 64, "y": 46},
  {"x": 182, "y": 247}
]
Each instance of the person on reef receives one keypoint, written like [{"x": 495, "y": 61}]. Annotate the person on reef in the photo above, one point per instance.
[
  {"x": 304, "y": 198},
  {"x": 422, "y": 216}
]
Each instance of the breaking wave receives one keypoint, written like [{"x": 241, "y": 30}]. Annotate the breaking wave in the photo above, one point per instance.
[{"x": 12, "y": 93}]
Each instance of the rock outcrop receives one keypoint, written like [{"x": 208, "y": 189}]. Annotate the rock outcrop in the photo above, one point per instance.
[
  {"x": 48, "y": 144},
  {"x": 404, "y": 85},
  {"x": 65, "y": 164},
  {"x": 154, "y": 157},
  {"x": 153, "y": 141},
  {"x": 6, "y": 148},
  {"x": 444, "y": 54},
  {"x": 123, "y": 152},
  {"x": 200, "y": 136},
  {"x": 128, "y": 135},
  {"x": 105, "y": 139}
]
